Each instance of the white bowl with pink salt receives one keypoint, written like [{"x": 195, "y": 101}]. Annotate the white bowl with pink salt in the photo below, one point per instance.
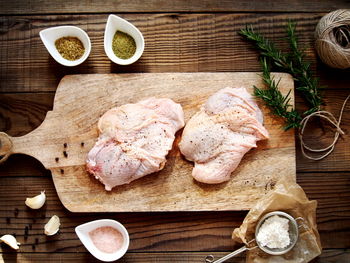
[{"x": 106, "y": 239}]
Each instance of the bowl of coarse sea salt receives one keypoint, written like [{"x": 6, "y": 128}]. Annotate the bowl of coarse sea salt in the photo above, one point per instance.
[{"x": 106, "y": 239}]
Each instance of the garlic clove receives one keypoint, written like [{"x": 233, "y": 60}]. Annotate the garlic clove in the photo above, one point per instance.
[
  {"x": 10, "y": 240},
  {"x": 52, "y": 226},
  {"x": 36, "y": 202}
]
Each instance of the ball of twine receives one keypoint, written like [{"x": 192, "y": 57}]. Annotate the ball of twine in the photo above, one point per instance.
[{"x": 333, "y": 39}]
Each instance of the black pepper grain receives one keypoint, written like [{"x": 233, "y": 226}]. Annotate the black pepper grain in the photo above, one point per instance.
[
  {"x": 65, "y": 145},
  {"x": 62, "y": 171},
  {"x": 82, "y": 144},
  {"x": 26, "y": 231},
  {"x": 57, "y": 159},
  {"x": 65, "y": 154}
]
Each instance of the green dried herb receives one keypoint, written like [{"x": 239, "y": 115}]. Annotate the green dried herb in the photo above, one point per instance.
[
  {"x": 293, "y": 63},
  {"x": 278, "y": 103},
  {"x": 123, "y": 45},
  {"x": 70, "y": 48}
]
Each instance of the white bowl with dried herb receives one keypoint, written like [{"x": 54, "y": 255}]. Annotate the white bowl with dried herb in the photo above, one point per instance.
[
  {"x": 123, "y": 42},
  {"x": 68, "y": 45}
]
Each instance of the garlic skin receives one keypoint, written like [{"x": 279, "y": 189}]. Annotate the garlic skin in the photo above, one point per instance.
[
  {"x": 52, "y": 226},
  {"x": 10, "y": 240},
  {"x": 36, "y": 202}
]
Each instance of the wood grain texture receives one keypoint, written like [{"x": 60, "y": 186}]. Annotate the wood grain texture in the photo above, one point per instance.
[
  {"x": 120, "y": 6},
  {"x": 173, "y": 43},
  {"x": 177, "y": 41},
  {"x": 81, "y": 99},
  {"x": 163, "y": 231},
  {"x": 319, "y": 135},
  {"x": 328, "y": 256},
  {"x": 20, "y": 113}
]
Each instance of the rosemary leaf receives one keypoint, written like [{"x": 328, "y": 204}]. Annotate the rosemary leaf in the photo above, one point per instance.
[
  {"x": 292, "y": 62},
  {"x": 278, "y": 103}
]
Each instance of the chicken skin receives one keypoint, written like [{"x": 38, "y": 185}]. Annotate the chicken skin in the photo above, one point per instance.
[
  {"x": 216, "y": 138},
  {"x": 134, "y": 140}
]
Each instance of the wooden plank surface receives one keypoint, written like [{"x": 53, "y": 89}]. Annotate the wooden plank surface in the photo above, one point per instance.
[
  {"x": 120, "y": 6},
  {"x": 81, "y": 99},
  {"x": 22, "y": 113},
  {"x": 163, "y": 231},
  {"x": 328, "y": 256},
  {"x": 173, "y": 43},
  {"x": 176, "y": 41}
]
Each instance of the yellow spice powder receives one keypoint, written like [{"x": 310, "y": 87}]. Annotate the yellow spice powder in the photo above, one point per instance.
[{"x": 70, "y": 48}]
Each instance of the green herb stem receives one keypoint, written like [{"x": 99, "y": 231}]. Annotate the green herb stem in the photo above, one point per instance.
[
  {"x": 293, "y": 63},
  {"x": 278, "y": 103}
]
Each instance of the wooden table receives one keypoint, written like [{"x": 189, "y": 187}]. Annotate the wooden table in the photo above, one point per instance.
[{"x": 180, "y": 36}]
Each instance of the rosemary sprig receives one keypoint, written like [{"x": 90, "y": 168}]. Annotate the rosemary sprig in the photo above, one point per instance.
[
  {"x": 275, "y": 100},
  {"x": 300, "y": 69},
  {"x": 293, "y": 63}
]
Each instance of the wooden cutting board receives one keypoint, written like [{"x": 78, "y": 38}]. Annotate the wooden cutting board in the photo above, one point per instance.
[{"x": 69, "y": 131}]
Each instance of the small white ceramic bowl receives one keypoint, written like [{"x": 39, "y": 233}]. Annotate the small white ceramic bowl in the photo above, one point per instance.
[
  {"x": 83, "y": 233},
  {"x": 115, "y": 23},
  {"x": 50, "y": 35}
]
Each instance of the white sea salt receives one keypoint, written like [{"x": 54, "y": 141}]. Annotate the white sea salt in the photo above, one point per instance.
[{"x": 273, "y": 233}]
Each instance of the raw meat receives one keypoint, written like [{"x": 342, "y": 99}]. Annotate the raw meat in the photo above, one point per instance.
[
  {"x": 134, "y": 140},
  {"x": 227, "y": 126}
]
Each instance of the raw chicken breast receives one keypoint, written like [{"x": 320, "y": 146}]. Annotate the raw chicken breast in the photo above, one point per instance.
[
  {"x": 134, "y": 140},
  {"x": 227, "y": 126}
]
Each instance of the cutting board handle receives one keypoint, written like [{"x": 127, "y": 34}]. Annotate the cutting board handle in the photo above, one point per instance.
[
  {"x": 44, "y": 143},
  {"x": 6, "y": 146},
  {"x": 23, "y": 144}
]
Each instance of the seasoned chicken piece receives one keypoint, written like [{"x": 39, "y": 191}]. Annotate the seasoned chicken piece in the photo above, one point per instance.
[
  {"x": 134, "y": 140},
  {"x": 227, "y": 126}
]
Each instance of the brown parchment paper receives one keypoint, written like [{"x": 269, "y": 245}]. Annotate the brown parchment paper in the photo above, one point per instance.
[{"x": 288, "y": 197}]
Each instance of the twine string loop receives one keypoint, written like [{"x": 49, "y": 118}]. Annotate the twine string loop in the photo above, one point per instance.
[{"x": 333, "y": 121}]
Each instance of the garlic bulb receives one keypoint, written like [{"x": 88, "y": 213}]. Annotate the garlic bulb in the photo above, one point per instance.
[
  {"x": 52, "y": 226},
  {"x": 36, "y": 202},
  {"x": 10, "y": 240}
]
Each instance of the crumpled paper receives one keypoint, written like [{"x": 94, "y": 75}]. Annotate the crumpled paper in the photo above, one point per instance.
[{"x": 288, "y": 197}]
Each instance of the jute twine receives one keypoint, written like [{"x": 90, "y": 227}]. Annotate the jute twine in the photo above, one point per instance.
[
  {"x": 333, "y": 39},
  {"x": 333, "y": 121},
  {"x": 333, "y": 46}
]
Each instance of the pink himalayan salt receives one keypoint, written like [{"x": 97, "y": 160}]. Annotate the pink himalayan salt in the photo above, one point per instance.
[{"x": 107, "y": 239}]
